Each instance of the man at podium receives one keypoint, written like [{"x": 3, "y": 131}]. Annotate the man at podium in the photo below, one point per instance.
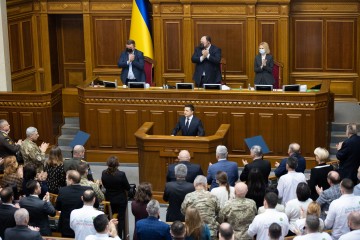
[{"x": 189, "y": 124}]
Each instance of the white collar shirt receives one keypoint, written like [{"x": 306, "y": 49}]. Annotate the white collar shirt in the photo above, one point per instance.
[
  {"x": 293, "y": 211},
  {"x": 355, "y": 234},
  {"x": 287, "y": 185},
  {"x": 81, "y": 221},
  {"x": 314, "y": 236},
  {"x": 99, "y": 236}
]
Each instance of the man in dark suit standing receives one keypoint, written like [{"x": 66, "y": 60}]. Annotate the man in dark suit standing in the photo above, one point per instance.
[
  {"x": 189, "y": 124},
  {"x": 132, "y": 63},
  {"x": 7, "y": 146},
  {"x": 7, "y": 210},
  {"x": 69, "y": 199},
  {"x": 207, "y": 58},
  {"x": 293, "y": 151},
  {"x": 175, "y": 192},
  {"x": 192, "y": 169},
  {"x": 22, "y": 230},
  {"x": 38, "y": 209},
  {"x": 349, "y": 154}
]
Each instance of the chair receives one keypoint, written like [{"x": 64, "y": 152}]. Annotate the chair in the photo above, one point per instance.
[
  {"x": 106, "y": 209},
  {"x": 148, "y": 68},
  {"x": 223, "y": 70},
  {"x": 53, "y": 198},
  {"x": 277, "y": 73}
]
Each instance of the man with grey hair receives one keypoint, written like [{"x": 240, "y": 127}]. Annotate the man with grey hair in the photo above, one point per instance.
[
  {"x": 231, "y": 168},
  {"x": 151, "y": 228},
  {"x": 293, "y": 151},
  {"x": 206, "y": 203},
  {"x": 31, "y": 153},
  {"x": 7, "y": 146},
  {"x": 258, "y": 162},
  {"x": 312, "y": 224},
  {"x": 78, "y": 157},
  {"x": 354, "y": 225},
  {"x": 349, "y": 153},
  {"x": 175, "y": 192},
  {"x": 192, "y": 169},
  {"x": 22, "y": 230}
]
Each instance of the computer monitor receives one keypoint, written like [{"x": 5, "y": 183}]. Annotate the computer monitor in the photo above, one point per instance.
[
  {"x": 110, "y": 84},
  {"x": 291, "y": 88},
  {"x": 259, "y": 87},
  {"x": 212, "y": 86},
  {"x": 136, "y": 84},
  {"x": 184, "y": 86}
]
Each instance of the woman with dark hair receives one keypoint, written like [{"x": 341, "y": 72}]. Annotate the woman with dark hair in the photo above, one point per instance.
[
  {"x": 196, "y": 229},
  {"x": 224, "y": 192},
  {"x": 142, "y": 197},
  {"x": 256, "y": 186},
  {"x": 54, "y": 166},
  {"x": 116, "y": 185},
  {"x": 30, "y": 173},
  {"x": 13, "y": 175}
]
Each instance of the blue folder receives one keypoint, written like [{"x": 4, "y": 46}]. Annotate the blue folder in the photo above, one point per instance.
[
  {"x": 257, "y": 140},
  {"x": 80, "y": 139}
]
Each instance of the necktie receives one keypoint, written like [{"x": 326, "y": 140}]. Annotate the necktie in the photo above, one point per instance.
[{"x": 187, "y": 123}]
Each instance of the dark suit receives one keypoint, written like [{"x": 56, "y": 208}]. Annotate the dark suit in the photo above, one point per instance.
[
  {"x": 281, "y": 169},
  {"x": 349, "y": 156},
  {"x": 7, "y": 219},
  {"x": 192, "y": 171},
  {"x": 174, "y": 193},
  {"x": 211, "y": 66},
  {"x": 69, "y": 199},
  {"x": 263, "y": 165},
  {"x": 151, "y": 228},
  {"x": 264, "y": 75},
  {"x": 22, "y": 232},
  {"x": 137, "y": 66},
  {"x": 72, "y": 164},
  {"x": 231, "y": 169},
  {"x": 38, "y": 213},
  {"x": 318, "y": 176},
  {"x": 7, "y": 145},
  {"x": 195, "y": 128}
]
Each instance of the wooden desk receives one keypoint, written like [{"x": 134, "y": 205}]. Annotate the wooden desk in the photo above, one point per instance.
[{"x": 112, "y": 116}]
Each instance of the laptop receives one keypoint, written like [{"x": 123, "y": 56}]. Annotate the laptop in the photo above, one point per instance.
[
  {"x": 212, "y": 86},
  {"x": 136, "y": 84},
  {"x": 185, "y": 86},
  {"x": 259, "y": 87}
]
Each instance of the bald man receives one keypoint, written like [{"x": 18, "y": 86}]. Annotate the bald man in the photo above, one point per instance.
[
  {"x": 231, "y": 209},
  {"x": 226, "y": 232},
  {"x": 354, "y": 225},
  {"x": 78, "y": 156},
  {"x": 193, "y": 169},
  {"x": 293, "y": 151}
]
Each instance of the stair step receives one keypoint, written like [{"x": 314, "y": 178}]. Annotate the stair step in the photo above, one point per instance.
[
  {"x": 65, "y": 140},
  {"x": 338, "y": 127},
  {"x": 66, "y": 151},
  {"x": 70, "y": 129},
  {"x": 72, "y": 120},
  {"x": 337, "y": 136}
]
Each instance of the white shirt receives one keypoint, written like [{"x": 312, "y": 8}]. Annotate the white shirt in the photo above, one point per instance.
[
  {"x": 99, "y": 236},
  {"x": 300, "y": 224},
  {"x": 278, "y": 207},
  {"x": 222, "y": 194},
  {"x": 287, "y": 185},
  {"x": 130, "y": 73},
  {"x": 314, "y": 236},
  {"x": 81, "y": 221},
  {"x": 351, "y": 235},
  {"x": 190, "y": 118},
  {"x": 260, "y": 224},
  {"x": 338, "y": 212},
  {"x": 293, "y": 211}
]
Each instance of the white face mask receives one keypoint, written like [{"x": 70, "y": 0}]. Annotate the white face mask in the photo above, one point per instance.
[{"x": 262, "y": 51}]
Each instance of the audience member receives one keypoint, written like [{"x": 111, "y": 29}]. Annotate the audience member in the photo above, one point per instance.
[
  {"x": 279, "y": 207},
  {"x": 230, "y": 212},
  {"x": 54, "y": 167},
  {"x": 189, "y": 124},
  {"x": 116, "y": 184},
  {"x": 7, "y": 210},
  {"x": 288, "y": 183},
  {"x": 256, "y": 186},
  {"x": 142, "y": 197},
  {"x": 330, "y": 194},
  {"x": 293, "y": 151},
  {"x": 105, "y": 229},
  {"x": 22, "y": 230},
  {"x": 261, "y": 222},
  {"x": 82, "y": 168},
  {"x": 31, "y": 153},
  {"x": 195, "y": 227},
  {"x": 81, "y": 220},
  {"x": 30, "y": 173},
  {"x": 226, "y": 232},
  {"x": 312, "y": 229},
  {"x": 175, "y": 192},
  {"x": 354, "y": 226},
  {"x": 39, "y": 209},
  {"x": 178, "y": 230},
  {"x": 192, "y": 169},
  {"x": 7, "y": 146},
  {"x": 274, "y": 231},
  {"x": 318, "y": 174},
  {"x": 78, "y": 156},
  {"x": 340, "y": 208},
  {"x": 357, "y": 187},
  {"x": 258, "y": 162},
  {"x": 69, "y": 198},
  {"x": 151, "y": 228},
  {"x": 349, "y": 153},
  {"x": 313, "y": 209},
  {"x": 13, "y": 174},
  {"x": 231, "y": 168},
  {"x": 224, "y": 192},
  {"x": 206, "y": 203}
]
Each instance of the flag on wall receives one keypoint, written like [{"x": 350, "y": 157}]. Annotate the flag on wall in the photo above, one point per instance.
[{"x": 140, "y": 28}]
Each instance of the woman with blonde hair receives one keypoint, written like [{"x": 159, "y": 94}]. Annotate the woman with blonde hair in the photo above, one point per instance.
[
  {"x": 224, "y": 192},
  {"x": 13, "y": 174},
  {"x": 312, "y": 209},
  {"x": 263, "y": 65},
  {"x": 196, "y": 229},
  {"x": 54, "y": 167}
]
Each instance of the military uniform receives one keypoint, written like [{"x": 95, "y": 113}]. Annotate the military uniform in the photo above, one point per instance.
[
  {"x": 207, "y": 205},
  {"x": 7, "y": 145},
  {"x": 239, "y": 212},
  {"x": 72, "y": 163},
  {"x": 32, "y": 154}
]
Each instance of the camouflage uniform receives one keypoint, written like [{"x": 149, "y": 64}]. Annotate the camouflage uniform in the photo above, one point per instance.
[
  {"x": 32, "y": 154},
  {"x": 239, "y": 212},
  {"x": 207, "y": 205},
  {"x": 99, "y": 194}
]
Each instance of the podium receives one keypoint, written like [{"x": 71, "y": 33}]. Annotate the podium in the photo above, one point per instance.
[{"x": 156, "y": 152}]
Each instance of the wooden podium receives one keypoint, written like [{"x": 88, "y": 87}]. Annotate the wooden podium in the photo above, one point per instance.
[{"x": 156, "y": 152}]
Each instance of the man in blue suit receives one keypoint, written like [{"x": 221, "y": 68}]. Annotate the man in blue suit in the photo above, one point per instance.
[
  {"x": 132, "y": 63},
  {"x": 231, "y": 168},
  {"x": 189, "y": 124},
  {"x": 293, "y": 151}
]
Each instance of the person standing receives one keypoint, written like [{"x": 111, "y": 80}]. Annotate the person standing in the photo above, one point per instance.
[
  {"x": 7, "y": 210},
  {"x": 263, "y": 65},
  {"x": 7, "y": 146},
  {"x": 293, "y": 151},
  {"x": 189, "y": 124}
]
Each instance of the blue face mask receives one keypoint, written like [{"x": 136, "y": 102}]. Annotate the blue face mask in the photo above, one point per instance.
[{"x": 262, "y": 51}]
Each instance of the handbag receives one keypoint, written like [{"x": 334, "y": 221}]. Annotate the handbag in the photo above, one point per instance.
[{"x": 132, "y": 192}]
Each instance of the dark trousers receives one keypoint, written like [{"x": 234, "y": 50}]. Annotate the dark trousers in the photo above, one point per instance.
[{"x": 121, "y": 211}]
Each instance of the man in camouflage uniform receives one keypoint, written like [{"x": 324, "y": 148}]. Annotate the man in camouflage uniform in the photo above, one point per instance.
[
  {"x": 82, "y": 168},
  {"x": 78, "y": 157},
  {"x": 239, "y": 212},
  {"x": 7, "y": 146},
  {"x": 206, "y": 203},
  {"x": 31, "y": 152}
]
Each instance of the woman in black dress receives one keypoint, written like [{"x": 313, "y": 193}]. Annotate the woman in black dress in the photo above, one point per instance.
[
  {"x": 54, "y": 166},
  {"x": 256, "y": 186}
]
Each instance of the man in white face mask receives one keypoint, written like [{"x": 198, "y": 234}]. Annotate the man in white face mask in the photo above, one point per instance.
[{"x": 263, "y": 66}]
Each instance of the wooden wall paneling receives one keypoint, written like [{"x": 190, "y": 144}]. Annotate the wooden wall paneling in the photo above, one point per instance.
[
  {"x": 173, "y": 46},
  {"x": 118, "y": 128},
  {"x": 238, "y": 129},
  {"x": 45, "y": 49},
  {"x": 268, "y": 32},
  {"x": 264, "y": 120},
  {"x": 251, "y": 43},
  {"x": 27, "y": 44},
  {"x": 292, "y": 131},
  {"x": 91, "y": 117},
  {"x": 15, "y": 46},
  {"x": 211, "y": 121},
  {"x": 161, "y": 122},
  {"x": 309, "y": 144},
  {"x": 131, "y": 124},
  {"x": 280, "y": 143},
  {"x": 25, "y": 82},
  {"x": 105, "y": 124},
  {"x": 88, "y": 43}
]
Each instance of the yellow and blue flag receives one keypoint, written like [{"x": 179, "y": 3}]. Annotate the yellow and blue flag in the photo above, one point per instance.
[{"x": 140, "y": 28}]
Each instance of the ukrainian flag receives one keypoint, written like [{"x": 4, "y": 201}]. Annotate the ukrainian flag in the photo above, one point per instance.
[{"x": 140, "y": 28}]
